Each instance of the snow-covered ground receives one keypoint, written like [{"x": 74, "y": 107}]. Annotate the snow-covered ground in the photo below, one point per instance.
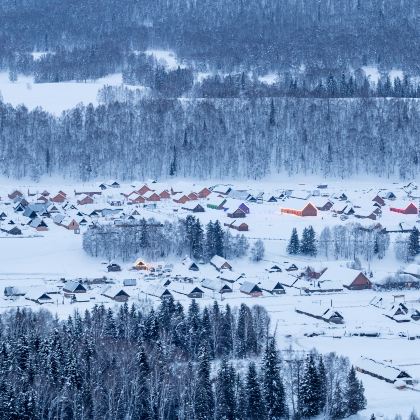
[
  {"x": 53, "y": 97},
  {"x": 42, "y": 259}
]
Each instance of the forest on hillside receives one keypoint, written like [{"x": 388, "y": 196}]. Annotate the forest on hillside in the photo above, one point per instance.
[
  {"x": 322, "y": 35},
  {"x": 219, "y": 138},
  {"x": 169, "y": 363}
]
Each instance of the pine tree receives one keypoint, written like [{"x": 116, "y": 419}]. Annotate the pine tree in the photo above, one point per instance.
[
  {"x": 308, "y": 242},
  {"x": 273, "y": 390},
  {"x": 309, "y": 396},
  {"x": 354, "y": 395},
  {"x": 338, "y": 405},
  {"x": 257, "y": 251},
  {"x": 413, "y": 242},
  {"x": 225, "y": 392},
  {"x": 322, "y": 375},
  {"x": 294, "y": 245},
  {"x": 204, "y": 403},
  {"x": 142, "y": 406},
  {"x": 254, "y": 401},
  {"x": 218, "y": 239},
  {"x": 210, "y": 250}
]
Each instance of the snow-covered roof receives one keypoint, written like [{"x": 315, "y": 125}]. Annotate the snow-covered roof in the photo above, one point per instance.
[
  {"x": 230, "y": 276},
  {"x": 218, "y": 261},
  {"x": 388, "y": 372},
  {"x": 248, "y": 287},
  {"x": 319, "y": 311},
  {"x": 112, "y": 291},
  {"x": 270, "y": 282},
  {"x": 184, "y": 288},
  {"x": 341, "y": 274},
  {"x": 214, "y": 284}
]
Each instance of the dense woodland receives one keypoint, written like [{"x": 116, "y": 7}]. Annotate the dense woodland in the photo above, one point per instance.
[
  {"x": 322, "y": 35},
  {"x": 220, "y": 138},
  {"x": 127, "y": 240},
  {"x": 168, "y": 363}
]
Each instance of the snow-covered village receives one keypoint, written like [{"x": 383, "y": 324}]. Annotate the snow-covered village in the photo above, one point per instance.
[
  {"x": 209, "y": 210},
  {"x": 336, "y": 269}
]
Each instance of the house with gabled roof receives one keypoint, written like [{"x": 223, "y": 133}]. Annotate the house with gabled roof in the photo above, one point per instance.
[
  {"x": 72, "y": 287},
  {"x": 349, "y": 278},
  {"x": 219, "y": 263},
  {"x": 191, "y": 290},
  {"x": 251, "y": 289},
  {"x": 272, "y": 285},
  {"x": 38, "y": 295},
  {"x": 237, "y": 214},
  {"x": 204, "y": 193},
  {"x": 137, "y": 200},
  {"x": 405, "y": 208},
  {"x": 239, "y": 226},
  {"x": 116, "y": 293},
  {"x": 299, "y": 208},
  {"x": 198, "y": 208},
  {"x": 383, "y": 371},
  {"x": 143, "y": 190},
  {"x": 58, "y": 198},
  {"x": 38, "y": 224},
  {"x": 11, "y": 230},
  {"x": 87, "y": 199},
  {"x": 221, "y": 189},
  {"x": 216, "y": 285},
  {"x": 217, "y": 205},
  {"x": 230, "y": 276},
  {"x": 157, "y": 290},
  {"x": 379, "y": 200},
  {"x": 151, "y": 196},
  {"x": 165, "y": 194},
  {"x": 180, "y": 198},
  {"x": 15, "y": 194},
  {"x": 398, "y": 312},
  {"x": 327, "y": 314}
]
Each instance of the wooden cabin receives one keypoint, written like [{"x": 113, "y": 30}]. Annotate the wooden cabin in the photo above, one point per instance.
[{"x": 303, "y": 210}]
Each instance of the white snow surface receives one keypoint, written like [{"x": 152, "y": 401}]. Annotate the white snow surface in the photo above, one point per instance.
[
  {"x": 40, "y": 259},
  {"x": 53, "y": 97}
]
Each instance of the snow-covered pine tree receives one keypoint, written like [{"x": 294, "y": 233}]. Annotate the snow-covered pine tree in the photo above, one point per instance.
[
  {"x": 257, "y": 251},
  {"x": 322, "y": 375},
  {"x": 142, "y": 398},
  {"x": 225, "y": 338},
  {"x": 225, "y": 408},
  {"x": 193, "y": 327},
  {"x": 204, "y": 398},
  {"x": 272, "y": 385},
  {"x": 218, "y": 239},
  {"x": 354, "y": 394},
  {"x": 337, "y": 409},
  {"x": 308, "y": 242},
  {"x": 210, "y": 251},
  {"x": 294, "y": 245},
  {"x": 254, "y": 408},
  {"x": 413, "y": 243},
  {"x": 309, "y": 391},
  {"x": 197, "y": 240}
]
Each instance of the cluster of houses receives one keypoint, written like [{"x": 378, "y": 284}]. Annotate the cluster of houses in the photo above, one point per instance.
[
  {"x": 38, "y": 210},
  {"x": 399, "y": 310},
  {"x": 196, "y": 280},
  {"x": 72, "y": 291}
]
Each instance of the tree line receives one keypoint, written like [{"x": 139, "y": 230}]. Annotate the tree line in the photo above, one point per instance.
[
  {"x": 154, "y": 240},
  {"x": 320, "y": 35},
  {"x": 351, "y": 241},
  {"x": 214, "y": 138},
  {"x": 168, "y": 363}
]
